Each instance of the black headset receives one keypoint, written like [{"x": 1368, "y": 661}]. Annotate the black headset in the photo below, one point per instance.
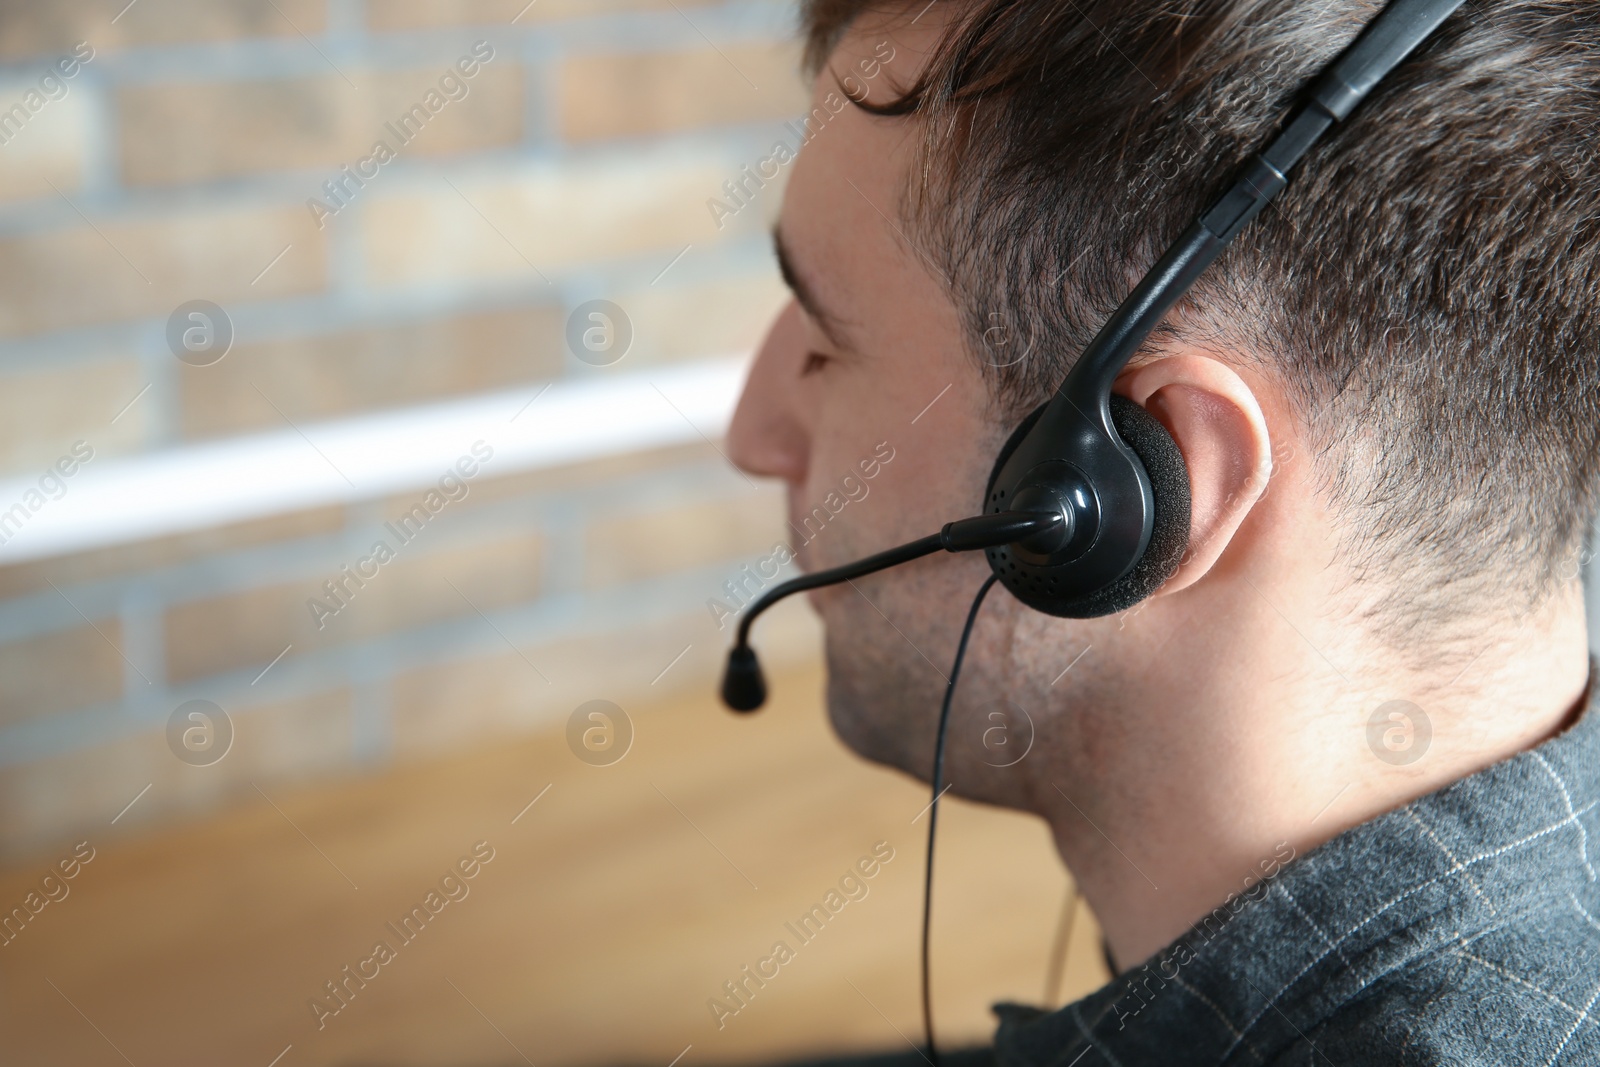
[{"x": 1087, "y": 508}]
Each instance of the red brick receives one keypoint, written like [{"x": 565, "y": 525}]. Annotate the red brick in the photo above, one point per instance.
[
  {"x": 628, "y": 94},
  {"x": 184, "y": 132},
  {"x": 78, "y": 276},
  {"x": 50, "y": 27},
  {"x": 60, "y": 671},
  {"x": 331, "y": 375}
]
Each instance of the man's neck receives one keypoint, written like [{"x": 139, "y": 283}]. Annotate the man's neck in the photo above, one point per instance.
[{"x": 1234, "y": 754}]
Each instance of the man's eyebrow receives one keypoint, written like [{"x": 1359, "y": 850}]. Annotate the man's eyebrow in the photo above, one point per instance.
[{"x": 830, "y": 324}]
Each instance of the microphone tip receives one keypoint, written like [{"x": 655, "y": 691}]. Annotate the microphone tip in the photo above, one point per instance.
[{"x": 743, "y": 687}]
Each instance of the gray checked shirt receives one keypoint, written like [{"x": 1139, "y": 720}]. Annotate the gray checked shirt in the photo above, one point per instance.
[{"x": 1463, "y": 929}]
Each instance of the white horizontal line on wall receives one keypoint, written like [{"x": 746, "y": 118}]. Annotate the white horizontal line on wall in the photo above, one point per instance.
[{"x": 119, "y": 501}]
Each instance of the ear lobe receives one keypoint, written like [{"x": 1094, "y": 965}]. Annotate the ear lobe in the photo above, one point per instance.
[{"x": 1216, "y": 422}]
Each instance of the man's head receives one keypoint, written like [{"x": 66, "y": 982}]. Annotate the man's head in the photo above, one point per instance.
[{"x": 1386, "y": 392}]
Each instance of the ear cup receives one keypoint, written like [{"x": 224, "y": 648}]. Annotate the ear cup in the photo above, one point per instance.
[
  {"x": 1169, "y": 480},
  {"x": 1169, "y": 483}
]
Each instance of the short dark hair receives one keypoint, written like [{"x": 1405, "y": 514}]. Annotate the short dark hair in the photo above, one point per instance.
[{"x": 1425, "y": 293}]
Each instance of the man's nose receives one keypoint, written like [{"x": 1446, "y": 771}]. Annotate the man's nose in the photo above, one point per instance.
[{"x": 768, "y": 435}]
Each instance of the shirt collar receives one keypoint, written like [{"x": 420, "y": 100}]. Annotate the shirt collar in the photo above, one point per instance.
[{"x": 1256, "y": 975}]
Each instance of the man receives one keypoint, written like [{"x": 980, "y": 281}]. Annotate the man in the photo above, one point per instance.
[{"x": 1331, "y": 791}]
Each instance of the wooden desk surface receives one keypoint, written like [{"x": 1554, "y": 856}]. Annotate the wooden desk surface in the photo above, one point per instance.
[{"x": 613, "y": 910}]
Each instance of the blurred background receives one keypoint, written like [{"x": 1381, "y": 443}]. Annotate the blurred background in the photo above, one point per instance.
[{"x": 242, "y": 347}]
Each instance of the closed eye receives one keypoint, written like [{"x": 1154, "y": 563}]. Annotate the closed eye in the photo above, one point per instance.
[{"x": 815, "y": 361}]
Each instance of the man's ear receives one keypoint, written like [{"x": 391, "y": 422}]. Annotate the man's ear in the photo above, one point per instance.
[{"x": 1217, "y": 423}]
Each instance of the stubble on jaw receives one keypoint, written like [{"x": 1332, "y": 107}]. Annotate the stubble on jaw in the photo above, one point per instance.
[
  {"x": 883, "y": 697},
  {"x": 886, "y": 680}
]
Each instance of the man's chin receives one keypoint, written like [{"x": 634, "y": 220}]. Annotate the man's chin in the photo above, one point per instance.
[
  {"x": 871, "y": 723},
  {"x": 890, "y": 718}
]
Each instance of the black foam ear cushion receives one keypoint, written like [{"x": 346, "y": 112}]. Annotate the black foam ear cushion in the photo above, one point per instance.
[{"x": 1169, "y": 481}]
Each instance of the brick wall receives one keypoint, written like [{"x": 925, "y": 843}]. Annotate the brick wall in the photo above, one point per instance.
[{"x": 165, "y": 151}]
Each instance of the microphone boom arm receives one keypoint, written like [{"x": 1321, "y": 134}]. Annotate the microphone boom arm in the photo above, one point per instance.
[{"x": 744, "y": 688}]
